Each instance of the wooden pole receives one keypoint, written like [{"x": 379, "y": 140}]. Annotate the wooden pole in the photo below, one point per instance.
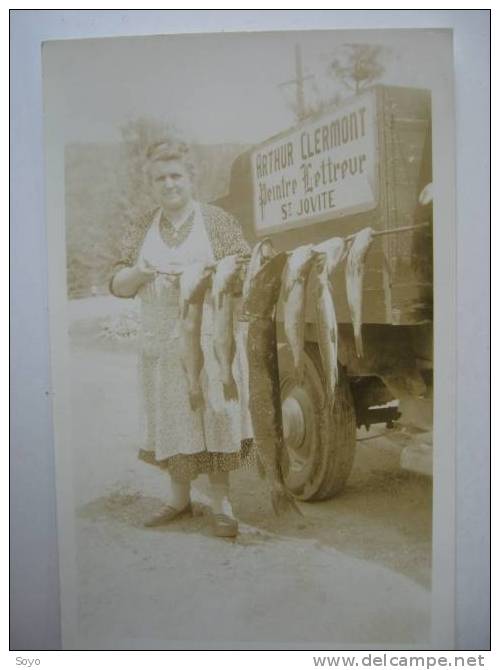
[
  {"x": 299, "y": 75},
  {"x": 391, "y": 231}
]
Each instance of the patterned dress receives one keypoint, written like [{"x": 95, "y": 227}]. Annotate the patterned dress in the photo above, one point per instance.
[{"x": 216, "y": 438}]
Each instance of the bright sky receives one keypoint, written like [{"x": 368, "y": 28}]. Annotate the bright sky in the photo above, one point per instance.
[{"x": 216, "y": 88}]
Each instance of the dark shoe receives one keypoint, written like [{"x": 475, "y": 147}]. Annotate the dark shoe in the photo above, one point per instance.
[
  {"x": 224, "y": 526},
  {"x": 167, "y": 515}
]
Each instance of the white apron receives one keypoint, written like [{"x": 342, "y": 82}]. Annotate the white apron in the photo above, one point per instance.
[{"x": 169, "y": 425}]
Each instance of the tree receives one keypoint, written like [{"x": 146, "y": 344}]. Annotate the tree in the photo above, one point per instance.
[
  {"x": 357, "y": 65},
  {"x": 351, "y": 68},
  {"x": 323, "y": 100}
]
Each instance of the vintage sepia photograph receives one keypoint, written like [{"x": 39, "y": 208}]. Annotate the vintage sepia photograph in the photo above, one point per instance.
[{"x": 242, "y": 288}]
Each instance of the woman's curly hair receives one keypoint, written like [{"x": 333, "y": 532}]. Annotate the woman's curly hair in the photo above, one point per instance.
[{"x": 166, "y": 150}]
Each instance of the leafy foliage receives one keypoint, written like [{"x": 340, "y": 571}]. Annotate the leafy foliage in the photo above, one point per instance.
[
  {"x": 357, "y": 66},
  {"x": 349, "y": 68}
]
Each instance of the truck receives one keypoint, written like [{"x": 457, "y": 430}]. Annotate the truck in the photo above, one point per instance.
[{"x": 364, "y": 162}]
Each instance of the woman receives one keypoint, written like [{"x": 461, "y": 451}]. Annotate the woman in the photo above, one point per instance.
[{"x": 214, "y": 438}]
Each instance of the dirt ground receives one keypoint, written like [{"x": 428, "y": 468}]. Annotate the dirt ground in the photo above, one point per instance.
[{"x": 355, "y": 571}]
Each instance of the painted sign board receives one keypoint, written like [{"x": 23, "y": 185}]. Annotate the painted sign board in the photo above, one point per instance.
[{"x": 321, "y": 170}]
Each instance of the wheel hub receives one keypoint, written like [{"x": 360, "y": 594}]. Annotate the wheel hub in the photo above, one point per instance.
[
  {"x": 294, "y": 429},
  {"x": 299, "y": 435}
]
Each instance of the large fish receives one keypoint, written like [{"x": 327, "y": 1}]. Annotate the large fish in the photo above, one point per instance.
[
  {"x": 261, "y": 252},
  {"x": 294, "y": 294},
  {"x": 224, "y": 284},
  {"x": 193, "y": 284},
  {"x": 354, "y": 273},
  {"x": 333, "y": 252},
  {"x": 265, "y": 399}
]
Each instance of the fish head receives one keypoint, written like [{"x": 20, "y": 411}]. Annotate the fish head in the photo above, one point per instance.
[
  {"x": 336, "y": 251},
  {"x": 364, "y": 237},
  {"x": 236, "y": 269},
  {"x": 360, "y": 244},
  {"x": 298, "y": 265},
  {"x": 194, "y": 280},
  {"x": 267, "y": 250},
  {"x": 242, "y": 275},
  {"x": 225, "y": 272},
  {"x": 261, "y": 252},
  {"x": 320, "y": 275},
  {"x": 239, "y": 279},
  {"x": 299, "y": 259},
  {"x": 426, "y": 195},
  {"x": 319, "y": 260},
  {"x": 225, "y": 265},
  {"x": 208, "y": 272}
]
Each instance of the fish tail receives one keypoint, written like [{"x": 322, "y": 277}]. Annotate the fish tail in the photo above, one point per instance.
[
  {"x": 329, "y": 399},
  {"x": 196, "y": 400},
  {"x": 260, "y": 467},
  {"x": 358, "y": 341},
  {"x": 296, "y": 361},
  {"x": 216, "y": 354},
  {"x": 283, "y": 502},
  {"x": 298, "y": 373},
  {"x": 230, "y": 390}
]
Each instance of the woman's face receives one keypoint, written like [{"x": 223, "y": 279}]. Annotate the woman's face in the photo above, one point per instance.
[{"x": 172, "y": 184}]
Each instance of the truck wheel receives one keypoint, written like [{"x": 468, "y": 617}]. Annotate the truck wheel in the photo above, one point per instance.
[{"x": 319, "y": 444}]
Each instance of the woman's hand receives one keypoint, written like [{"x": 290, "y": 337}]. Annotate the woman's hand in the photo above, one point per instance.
[
  {"x": 128, "y": 281},
  {"x": 145, "y": 271}
]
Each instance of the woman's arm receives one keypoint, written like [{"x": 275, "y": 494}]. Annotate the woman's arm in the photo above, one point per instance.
[{"x": 131, "y": 273}]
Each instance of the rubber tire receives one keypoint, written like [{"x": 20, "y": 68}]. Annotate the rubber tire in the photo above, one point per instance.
[{"x": 330, "y": 439}]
